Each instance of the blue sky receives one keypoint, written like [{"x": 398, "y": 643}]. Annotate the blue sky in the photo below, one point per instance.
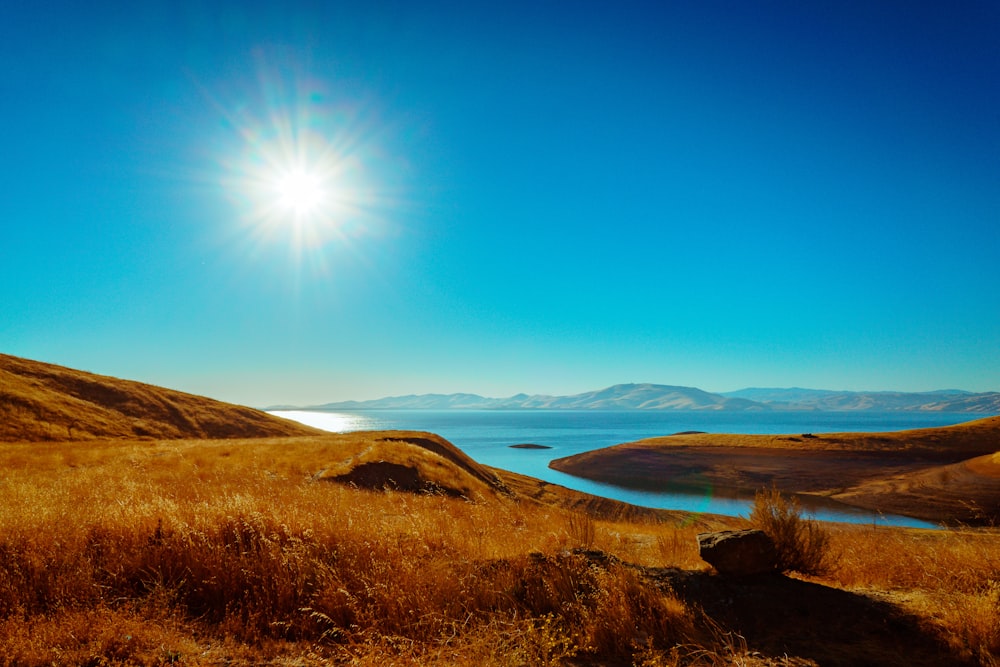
[{"x": 536, "y": 197}]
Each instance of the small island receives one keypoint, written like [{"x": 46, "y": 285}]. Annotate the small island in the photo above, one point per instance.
[{"x": 529, "y": 445}]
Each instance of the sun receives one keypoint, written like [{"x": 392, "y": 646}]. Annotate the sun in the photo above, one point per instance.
[
  {"x": 300, "y": 192},
  {"x": 296, "y": 163}
]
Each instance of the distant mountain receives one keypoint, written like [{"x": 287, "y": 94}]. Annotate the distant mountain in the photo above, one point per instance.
[
  {"x": 618, "y": 397},
  {"x": 945, "y": 400},
  {"x": 413, "y": 402},
  {"x": 669, "y": 397}
]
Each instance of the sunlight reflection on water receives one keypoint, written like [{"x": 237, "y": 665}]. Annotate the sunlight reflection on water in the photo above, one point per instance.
[{"x": 328, "y": 421}]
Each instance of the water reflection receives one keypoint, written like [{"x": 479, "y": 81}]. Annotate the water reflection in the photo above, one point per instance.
[{"x": 335, "y": 422}]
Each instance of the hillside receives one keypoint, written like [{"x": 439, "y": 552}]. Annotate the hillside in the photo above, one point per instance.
[
  {"x": 939, "y": 474},
  {"x": 40, "y": 401},
  {"x": 45, "y": 402}
]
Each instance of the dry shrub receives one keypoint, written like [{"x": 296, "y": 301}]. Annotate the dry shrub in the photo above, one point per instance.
[{"x": 802, "y": 545}]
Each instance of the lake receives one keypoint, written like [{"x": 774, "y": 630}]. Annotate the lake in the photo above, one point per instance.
[{"x": 486, "y": 436}]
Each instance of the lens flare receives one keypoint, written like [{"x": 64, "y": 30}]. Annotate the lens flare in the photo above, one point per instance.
[{"x": 707, "y": 493}]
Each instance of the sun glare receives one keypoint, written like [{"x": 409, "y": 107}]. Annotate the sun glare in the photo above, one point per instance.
[
  {"x": 297, "y": 166},
  {"x": 301, "y": 192}
]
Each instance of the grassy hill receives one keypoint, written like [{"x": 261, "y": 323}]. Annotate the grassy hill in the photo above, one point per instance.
[
  {"x": 939, "y": 474},
  {"x": 240, "y": 552},
  {"x": 40, "y": 401}
]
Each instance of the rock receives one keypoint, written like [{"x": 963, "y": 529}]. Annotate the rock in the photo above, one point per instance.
[{"x": 738, "y": 552}]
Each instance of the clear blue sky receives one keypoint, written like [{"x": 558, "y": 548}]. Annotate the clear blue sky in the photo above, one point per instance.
[{"x": 538, "y": 197}]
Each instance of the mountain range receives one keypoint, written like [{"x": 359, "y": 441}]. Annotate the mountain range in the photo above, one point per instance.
[{"x": 668, "y": 397}]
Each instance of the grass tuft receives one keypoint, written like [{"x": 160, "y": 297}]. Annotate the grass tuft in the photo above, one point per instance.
[{"x": 802, "y": 545}]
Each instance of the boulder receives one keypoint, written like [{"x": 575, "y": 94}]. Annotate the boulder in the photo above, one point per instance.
[{"x": 738, "y": 552}]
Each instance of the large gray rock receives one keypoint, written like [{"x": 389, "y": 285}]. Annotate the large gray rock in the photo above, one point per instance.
[{"x": 738, "y": 552}]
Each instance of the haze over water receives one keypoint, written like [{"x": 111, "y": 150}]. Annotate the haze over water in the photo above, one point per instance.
[{"x": 487, "y": 435}]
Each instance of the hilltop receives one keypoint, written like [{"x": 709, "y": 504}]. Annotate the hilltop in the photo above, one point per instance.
[
  {"x": 649, "y": 396},
  {"x": 40, "y": 401}
]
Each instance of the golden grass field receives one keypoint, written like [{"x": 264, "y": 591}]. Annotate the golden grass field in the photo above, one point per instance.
[{"x": 265, "y": 550}]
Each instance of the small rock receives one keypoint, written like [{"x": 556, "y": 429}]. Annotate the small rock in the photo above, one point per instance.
[{"x": 738, "y": 552}]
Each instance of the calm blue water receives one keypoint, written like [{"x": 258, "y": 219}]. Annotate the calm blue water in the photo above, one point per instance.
[{"x": 486, "y": 436}]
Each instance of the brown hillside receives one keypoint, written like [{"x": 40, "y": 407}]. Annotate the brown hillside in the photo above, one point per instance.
[
  {"x": 967, "y": 492},
  {"x": 918, "y": 473},
  {"x": 40, "y": 401},
  {"x": 973, "y": 438}
]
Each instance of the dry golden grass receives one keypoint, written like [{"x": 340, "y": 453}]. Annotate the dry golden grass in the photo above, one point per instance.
[
  {"x": 41, "y": 401},
  {"x": 188, "y": 545},
  {"x": 972, "y": 438},
  {"x": 950, "y": 579},
  {"x": 203, "y": 552}
]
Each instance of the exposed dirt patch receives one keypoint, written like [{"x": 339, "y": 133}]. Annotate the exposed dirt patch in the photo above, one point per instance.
[
  {"x": 411, "y": 461},
  {"x": 448, "y": 451},
  {"x": 386, "y": 476},
  {"x": 967, "y": 492}
]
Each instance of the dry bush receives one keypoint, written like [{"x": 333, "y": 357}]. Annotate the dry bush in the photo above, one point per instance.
[{"x": 802, "y": 545}]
